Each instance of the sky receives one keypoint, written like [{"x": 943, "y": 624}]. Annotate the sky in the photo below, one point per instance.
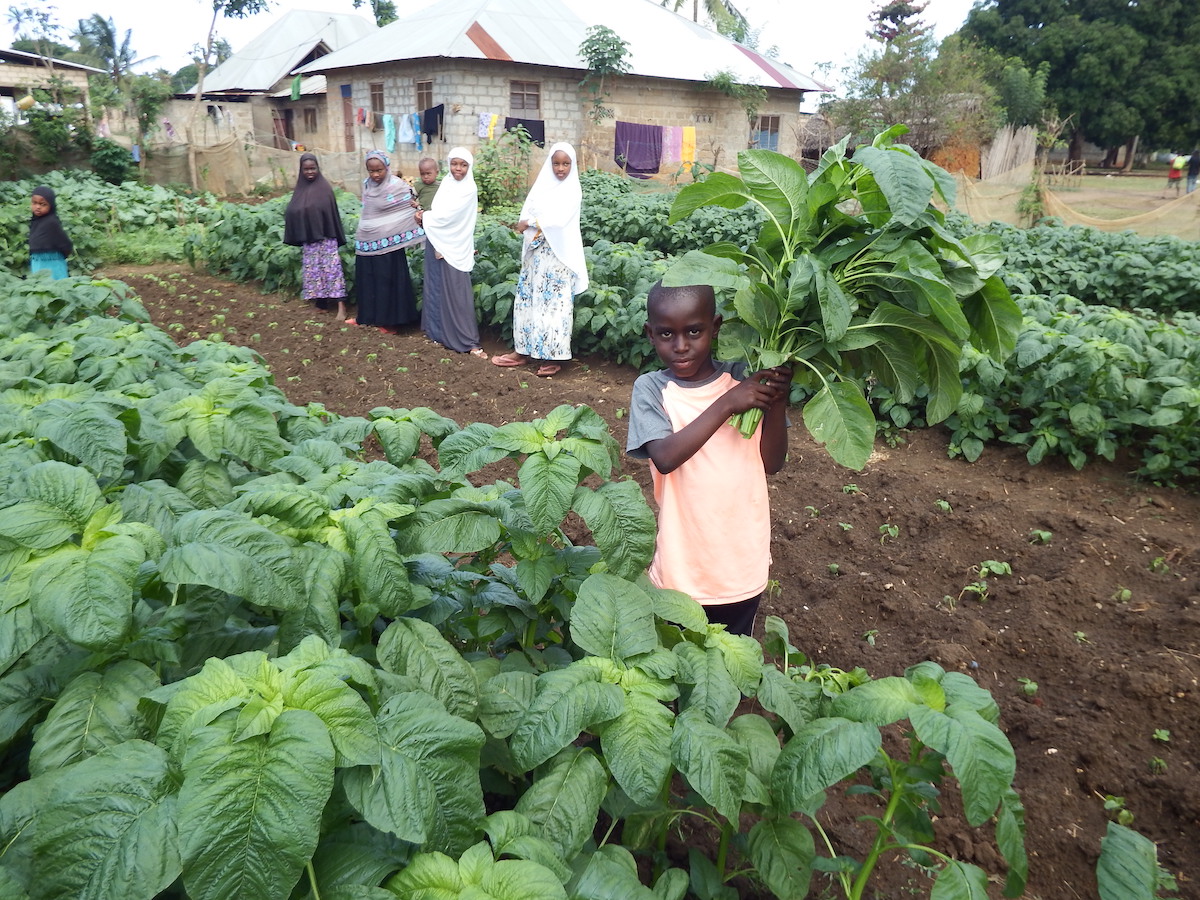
[{"x": 808, "y": 33}]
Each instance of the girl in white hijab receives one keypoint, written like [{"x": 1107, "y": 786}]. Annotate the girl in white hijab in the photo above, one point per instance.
[
  {"x": 448, "y": 308},
  {"x": 552, "y": 266}
]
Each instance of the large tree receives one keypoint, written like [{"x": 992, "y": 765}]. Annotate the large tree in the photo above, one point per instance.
[
  {"x": 941, "y": 94},
  {"x": 98, "y": 38},
  {"x": 1118, "y": 69}
]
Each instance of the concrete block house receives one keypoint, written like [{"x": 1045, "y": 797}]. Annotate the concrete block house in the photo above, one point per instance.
[
  {"x": 250, "y": 95},
  {"x": 454, "y": 73}
]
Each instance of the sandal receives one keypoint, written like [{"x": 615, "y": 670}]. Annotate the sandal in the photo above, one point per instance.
[
  {"x": 548, "y": 369},
  {"x": 480, "y": 353},
  {"x": 508, "y": 360},
  {"x": 351, "y": 321}
]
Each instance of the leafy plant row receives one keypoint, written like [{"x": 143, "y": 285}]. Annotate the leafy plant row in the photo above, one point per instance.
[
  {"x": 236, "y": 655},
  {"x": 1120, "y": 269},
  {"x": 1084, "y": 382},
  {"x": 105, "y": 222}
]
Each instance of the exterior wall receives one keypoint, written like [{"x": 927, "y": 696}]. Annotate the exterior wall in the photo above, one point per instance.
[
  {"x": 18, "y": 79},
  {"x": 470, "y": 88},
  {"x": 219, "y": 120}
]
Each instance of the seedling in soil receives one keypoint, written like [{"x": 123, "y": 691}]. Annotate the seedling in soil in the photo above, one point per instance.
[
  {"x": 834, "y": 568},
  {"x": 887, "y": 531},
  {"x": 317, "y": 337},
  {"x": 1122, "y": 595},
  {"x": 620, "y": 413},
  {"x": 850, "y": 489},
  {"x": 845, "y": 526},
  {"x": 1115, "y": 806},
  {"x": 401, "y": 368},
  {"x": 1029, "y": 687},
  {"x": 1040, "y": 537},
  {"x": 1158, "y": 766},
  {"x": 256, "y": 337},
  {"x": 1081, "y": 637},
  {"x": 869, "y": 636},
  {"x": 1159, "y": 566},
  {"x": 414, "y": 353},
  {"x": 943, "y": 505},
  {"x": 987, "y": 568},
  {"x": 813, "y": 511},
  {"x": 371, "y": 357},
  {"x": 773, "y": 588},
  {"x": 1161, "y": 734},
  {"x": 306, "y": 362}
]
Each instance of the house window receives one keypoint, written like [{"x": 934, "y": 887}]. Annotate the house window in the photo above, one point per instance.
[
  {"x": 376, "y": 88},
  {"x": 310, "y": 119},
  {"x": 766, "y": 133},
  {"x": 524, "y": 97},
  {"x": 702, "y": 118},
  {"x": 424, "y": 95}
]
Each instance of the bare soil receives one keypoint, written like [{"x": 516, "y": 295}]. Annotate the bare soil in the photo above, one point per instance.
[{"x": 1104, "y": 616}]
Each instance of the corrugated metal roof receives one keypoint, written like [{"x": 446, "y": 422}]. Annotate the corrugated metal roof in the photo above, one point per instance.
[
  {"x": 35, "y": 59},
  {"x": 273, "y": 54},
  {"x": 662, "y": 44},
  {"x": 310, "y": 85}
]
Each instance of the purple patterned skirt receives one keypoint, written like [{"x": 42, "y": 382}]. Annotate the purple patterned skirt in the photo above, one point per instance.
[{"x": 321, "y": 272}]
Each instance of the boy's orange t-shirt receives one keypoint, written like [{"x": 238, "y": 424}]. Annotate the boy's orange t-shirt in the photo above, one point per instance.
[{"x": 714, "y": 519}]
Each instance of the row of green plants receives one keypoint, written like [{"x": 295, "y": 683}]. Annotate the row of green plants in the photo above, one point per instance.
[
  {"x": 239, "y": 657},
  {"x": 1120, "y": 269},
  {"x": 1085, "y": 382},
  {"x": 130, "y": 222}
]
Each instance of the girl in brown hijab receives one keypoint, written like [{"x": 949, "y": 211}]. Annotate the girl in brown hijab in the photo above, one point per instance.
[{"x": 313, "y": 223}]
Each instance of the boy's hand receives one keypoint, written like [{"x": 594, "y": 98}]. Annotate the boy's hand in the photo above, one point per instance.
[{"x": 762, "y": 390}]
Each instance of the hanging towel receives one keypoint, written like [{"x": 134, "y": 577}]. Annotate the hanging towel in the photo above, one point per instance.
[
  {"x": 404, "y": 129},
  {"x": 481, "y": 129},
  {"x": 491, "y": 132},
  {"x": 431, "y": 121},
  {"x": 672, "y": 143},
  {"x": 415, "y": 118},
  {"x": 389, "y": 132},
  {"x": 535, "y": 127},
  {"x": 136, "y": 152},
  {"x": 638, "y": 148},
  {"x": 362, "y": 116},
  {"x": 296, "y": 86},
  {"x": 687, "y": 153}
]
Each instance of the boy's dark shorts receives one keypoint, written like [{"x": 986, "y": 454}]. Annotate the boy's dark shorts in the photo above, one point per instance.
[{"x": 738, "y": 618}]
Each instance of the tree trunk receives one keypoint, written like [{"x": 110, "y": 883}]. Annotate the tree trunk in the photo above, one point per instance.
[
  {"x": 1075, "y": 152},
  {"x": 1110, "y": 157},
  {"x": 1131, "y": 146}
]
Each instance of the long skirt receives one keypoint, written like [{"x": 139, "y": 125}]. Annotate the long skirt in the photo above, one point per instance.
[
  {"x": 543, "y": 310},
  {"x": 49, "y": 261},
  {"x": 385, "y": 292},
  {"x": 448, "y": 308},
  {"x": 321, "y": 273}
]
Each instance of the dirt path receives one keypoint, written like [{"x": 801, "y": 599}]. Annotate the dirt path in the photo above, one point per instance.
[{"x": 1101, "y": 610}]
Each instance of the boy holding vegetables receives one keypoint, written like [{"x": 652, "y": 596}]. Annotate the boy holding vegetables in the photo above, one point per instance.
[{"x": 714, "y": 518}]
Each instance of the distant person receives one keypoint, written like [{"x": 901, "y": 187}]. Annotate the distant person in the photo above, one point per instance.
[
  {"x": 1193, "y": 170},
  {"x": 710, "y": 484},
  {"x": 1175, "y": 173},
  {"x": 49, "y": 245},
  {"x": 313, "y": 222},
  {"x": 448, "y": 308},
  {"x": 430, "y": 180},
  {"x": 387, "y": 226},
  {"x": 553, "y": 269}
]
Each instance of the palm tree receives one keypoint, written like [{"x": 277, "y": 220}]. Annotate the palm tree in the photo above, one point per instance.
[
  {"x": 97, "y": 36},
  {"x": 730, "y": 20}
]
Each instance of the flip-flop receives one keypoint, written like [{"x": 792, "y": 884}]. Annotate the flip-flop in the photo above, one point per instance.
[
  {"x": 549, "y": 369},
  {"x": 507, "y": 360},
  {"x": 480, "y": 353},
  {"x": 351, "y": 321}
]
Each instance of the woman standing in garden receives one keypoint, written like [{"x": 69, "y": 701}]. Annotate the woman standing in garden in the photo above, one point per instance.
[
  {"x": 553, "y": 270},
  {"x": 387, "y": 226},
  {"x": 313, "y": 223},
  {"x": 448, "y": 310}
]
